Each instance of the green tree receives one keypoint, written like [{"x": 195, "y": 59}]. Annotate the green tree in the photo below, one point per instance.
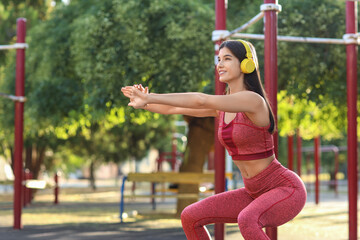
[
  {"x": 33, "y": 10},
  {"x": 85, "y": 52}
]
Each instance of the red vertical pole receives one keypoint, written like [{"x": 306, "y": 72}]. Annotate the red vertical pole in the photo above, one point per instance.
[
  {"x": 351, "y": 76},
  {"x": 335, "y": 172},
  {"x": 308, "y": 171},
  {"x": 24, "y": 194},
  {"x": 291, "y": 152},
  {"x": 220, "y": 24},
  {"x": 56, "y": 189},
  {"x": 298, "y": 152},
  {"x": 27, "y": 177},
  {"x": 211, "y": 159},
  {"x": 26, "y": 191},
  {"x": 317, "y": 167},
  {"x": 19, "y": 122},
  {"x": 271, "y": 75},
  {"x": 30, "y": 190},
  {"x": 173, "y": 154}
]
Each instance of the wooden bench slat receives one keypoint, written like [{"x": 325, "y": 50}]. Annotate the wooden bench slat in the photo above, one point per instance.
[
  {"x": 183, "y": 195},
  {"x": 162, "y": 177},
  {"x": 171, "y": 177}
]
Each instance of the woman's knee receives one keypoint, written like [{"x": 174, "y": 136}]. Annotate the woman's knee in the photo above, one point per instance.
[
  {"x": 248, "y": 221},
  {"x": 188, "y": 214}
]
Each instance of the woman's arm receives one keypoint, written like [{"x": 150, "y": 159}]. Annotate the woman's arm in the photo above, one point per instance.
[
  {"x": 244, "y": 101},
  {"x": 168, "y": 109}
]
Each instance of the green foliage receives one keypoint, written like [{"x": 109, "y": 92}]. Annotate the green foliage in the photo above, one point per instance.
[
  {"x": 33, "y": 10},
  {"x": 311, "y": 119},
  {"x": 313, "y": 71},
  {"x": 161, "y": 44},
  {"x": 81, "y": 56}
]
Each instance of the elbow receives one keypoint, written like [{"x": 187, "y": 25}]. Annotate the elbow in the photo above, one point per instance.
[{"x": 201, "y": 101}]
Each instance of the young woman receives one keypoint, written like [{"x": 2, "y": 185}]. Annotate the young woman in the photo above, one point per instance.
[{"x": 273, "y": 195}]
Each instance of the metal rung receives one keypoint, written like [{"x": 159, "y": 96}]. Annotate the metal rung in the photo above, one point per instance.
[
  {"x": 14, "y": 98},
  {"x": 14, "y": 46}
]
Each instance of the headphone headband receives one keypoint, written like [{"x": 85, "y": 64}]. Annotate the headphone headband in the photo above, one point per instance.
[
  {"x": 247, "y": 65},
  {"x": 247, "y": 48}
]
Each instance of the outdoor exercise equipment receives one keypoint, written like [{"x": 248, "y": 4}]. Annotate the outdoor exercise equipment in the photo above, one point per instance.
[
  {"x": 330, "y": 148},
  {"x": 269, "y": 11},
  {"x": 19, "y": 99}
]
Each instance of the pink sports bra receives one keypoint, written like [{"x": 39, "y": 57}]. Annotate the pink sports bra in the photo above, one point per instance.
[{"x": 244, "y": 140}]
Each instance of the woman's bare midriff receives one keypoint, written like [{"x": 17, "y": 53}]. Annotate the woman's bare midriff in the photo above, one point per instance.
[{"x": 251, "y": 168}]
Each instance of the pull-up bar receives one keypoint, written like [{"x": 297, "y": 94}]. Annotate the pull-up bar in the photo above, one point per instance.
[
  {"x": 14, "y": 46},
  {"x": 224, "y": 34},
  {"x": 12, "y": 97},
  {"x": 347, "y": 39}
]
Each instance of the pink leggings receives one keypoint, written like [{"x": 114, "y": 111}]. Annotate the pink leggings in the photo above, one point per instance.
[{"x": 271, "y": 198}]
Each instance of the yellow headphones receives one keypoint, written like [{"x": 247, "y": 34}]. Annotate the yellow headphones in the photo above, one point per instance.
[{"x": 247, "y": 65}]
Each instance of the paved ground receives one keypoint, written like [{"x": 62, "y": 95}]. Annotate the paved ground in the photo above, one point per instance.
[{"x": 95, "y": 216}]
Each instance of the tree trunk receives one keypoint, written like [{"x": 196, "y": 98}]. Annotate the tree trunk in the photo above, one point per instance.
[
  {"x": 12, "y": 158},
  {"x": 92, "y": 175},
  {"x": 38, "y": 160},
  {"x": 28, "y": 157},
  {"x": 34, "y": 158},
  {"x": 200, "y": 140}
]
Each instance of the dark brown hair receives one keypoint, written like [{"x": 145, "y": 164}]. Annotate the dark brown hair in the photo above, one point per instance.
[{"x": 252, "y": 80}]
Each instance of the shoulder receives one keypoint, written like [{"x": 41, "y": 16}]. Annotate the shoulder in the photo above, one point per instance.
[
  {"x": 249, "y": 93},
  {"x": 251, "y": 96}
]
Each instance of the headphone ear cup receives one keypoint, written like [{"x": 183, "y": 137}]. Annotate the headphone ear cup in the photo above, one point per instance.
[{"x": 247, "y": 66}]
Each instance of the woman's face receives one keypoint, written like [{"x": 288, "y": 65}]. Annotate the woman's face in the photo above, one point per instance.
[{"x": 228, "y": 66}]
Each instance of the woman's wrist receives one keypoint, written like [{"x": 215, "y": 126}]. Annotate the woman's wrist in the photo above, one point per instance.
[{"x": 147, "y": 99}]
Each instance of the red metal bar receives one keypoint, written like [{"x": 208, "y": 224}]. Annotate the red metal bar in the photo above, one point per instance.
[
  {"x": 26, "y": 191},
  {"x": 27, "y": 177},
  {"x": 271, "y": 75},
  {"x": 220, "y": 24},
  {"x": 308, "y": 171},
  {"x": 31, "y": 176},
  {"x": 56, "y": 189},
  {"x": 211, "y": 163},
  {"x": 291, "y": 152},
  {"x": 336, "y": 172},
  {"x": 298, "y": 153},
  {"x": 23, "y": 194},
  {"x": 19, "y": 122},
  {"x": 173, "y": 154},
  {"x": 317, "y": 167},
  {"x": 351, "y": 76}
]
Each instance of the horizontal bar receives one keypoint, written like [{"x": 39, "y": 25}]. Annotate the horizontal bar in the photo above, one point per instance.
[
  {"x": 183, "y": 196},
  {"x": 14, "y": 46},
  {"x": 224, "y": 34},
  {"x": 248, "y": 24},
  {"x": 292, "y": 39},
  {"x": 186, "y": 178},
  {"x": 330, "y": 148},
  {"x": 14, "y": 98},
  {"x": 189, "y": 178}
]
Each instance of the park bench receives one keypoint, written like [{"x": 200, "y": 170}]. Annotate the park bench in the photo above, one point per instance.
[
  {"x": 166, "y": 177},
  {"x": 34, "y": 184}
]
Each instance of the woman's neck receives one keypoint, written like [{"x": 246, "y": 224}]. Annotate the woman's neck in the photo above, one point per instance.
[{"x": 237, "y": 86}]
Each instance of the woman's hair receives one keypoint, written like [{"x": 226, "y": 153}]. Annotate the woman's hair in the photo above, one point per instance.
[{"x": 252, "y": 80}]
